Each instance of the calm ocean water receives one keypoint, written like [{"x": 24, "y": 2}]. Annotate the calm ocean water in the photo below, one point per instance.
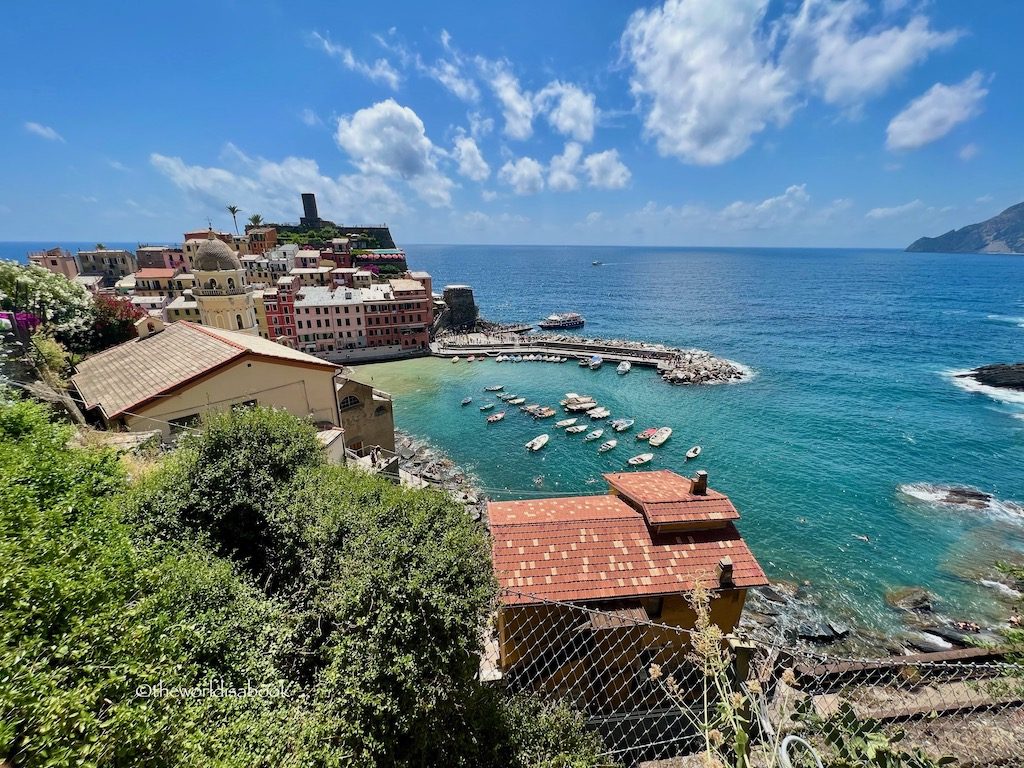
[{"x": 850, "y": 400}]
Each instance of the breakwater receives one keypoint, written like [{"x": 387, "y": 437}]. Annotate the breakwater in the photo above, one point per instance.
[{"x": 676, "y": 365}]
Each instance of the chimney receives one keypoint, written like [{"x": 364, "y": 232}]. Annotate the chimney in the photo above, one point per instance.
[
  {"x": 724, "y": 571},
  {"x": 699, "y": 486}
]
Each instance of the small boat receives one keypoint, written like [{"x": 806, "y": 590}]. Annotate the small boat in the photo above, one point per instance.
[
  {"x": 647, "y": 434},
  {"x": 537, "y": 443},
  {"x": 575, "y": 429},
  {"x": 595, "y": 362},
  {"x": 486, "y": 406},
  {"x": 624, "y": 367},
  {"x": 642, "y": 458},
  {"x": 544, "y": 413},
  {"x": 621, "y": 425},
  {"x": 594, "y": 435},
  {"x": 659, "y": 437},
  {"x": 531, "y": 409},
  {"x": 583, "y": 363},
  {"x": 455, "y": 359},
  {"x": 505, "y": 396},
  {"x": 516, "y": 401},
  {"x": 607, "y": 446},
  {"x": 571, "y": 396},
  {"x": 517, "y": 359},
  {"x": 494, "y": 388},
  {"x": 565, "y": 423},
  {"x": 596, "y": 263},
  {"x": 499, "y": 359},
  {"x": 471, "y": 359},
  {"x": 467, "y": 400},
  {"x": 599, "y": 413},
  {"x": 495, "y": 417},
  {"x": 693, "y": 453}
]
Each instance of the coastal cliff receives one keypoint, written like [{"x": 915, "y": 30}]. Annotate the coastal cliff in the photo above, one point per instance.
[
  {"x": 1000, "y": 234},
  {"x": 999, "y": 375}
]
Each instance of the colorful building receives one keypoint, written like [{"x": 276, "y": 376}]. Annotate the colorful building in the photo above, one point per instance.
[
  {"x": 111, "y": 263},
  {"x": 56, "y": 260},
  {"x": 162, "y": 281},
  {"x": 328, "y": 321}
]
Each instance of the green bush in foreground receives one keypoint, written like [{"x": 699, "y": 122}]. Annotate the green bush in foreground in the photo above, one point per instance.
[{"x": 244, "y": 559}]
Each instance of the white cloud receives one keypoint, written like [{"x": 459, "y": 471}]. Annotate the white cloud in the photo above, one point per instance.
[
  {"x": 969, "y": 151},
  {"x": 570, "y": 110},
  {"x": 117, "y": 165},
  {"x": 390, "y": 140},
  {"x": 471, "y": 161},
  {"x": 525, "y": 175},
  {"x": 310, "y": 118},
  {"x": 562, "y": 169},
  {"x": 273, "y": 188},
  {"x": 769, "y": 213},
  {"x": 44, "y": 132},
  {"x": 379, "y": 71},
  {"x": 592, "y": 218},
  {"x": 516, "y": 105},
  {"x": 450, "y": 75},
  {"x": 894, "y": 211},
  {"x": 479, "y": 125},
  {"x": 489, "y": 195},
  {"x": 935, "y": 113},
  {"x": 847, "y": 65},
  {"x": 606, "y": 171},
  {"x": 984, "y": 199}
]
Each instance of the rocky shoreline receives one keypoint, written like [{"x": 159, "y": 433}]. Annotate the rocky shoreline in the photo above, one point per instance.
[
  {"x": 698, "y": 366},
  {"x": 1000, "y": 375},
  {"x": 436, "y": 469}
]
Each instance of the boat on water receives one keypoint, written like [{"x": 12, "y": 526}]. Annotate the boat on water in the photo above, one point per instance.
[
  {"x": 642, "y": 458},
  {"x": 647, "y": 434},
  {"x": 599, "y": 413},
  {"x": 565, "y": 423},
  {"x": 531, "y": 409},
  {"x": 596, "y": 263},
  {"x": 595, "y": 362},
  {"x": 470, "y": 359},
  {"x": 505, "y": 396},
  {"x": 607, "y": 445},
  {"x": 516, "y": 401},
  {"x": 659, "y": 437},
  {"x": 564, "y": 320},
  {"x": 693, "y": 453},
  {"x": 486, "y": 406},
  {"x": 576, "y": 429},
  {"x": 624, "y": 367},
  {"x": 583, "y": 362},
  {"x": 621, "y": 425},
  {"x": 494, "y": 417},
  {"x": 594, "y": 435},
  {"x": 455, "y": 359},
  {"x": 537, "y": 443},
  {"x": 494, "y": 388},
  {"x": 467, "y": 400},
  {"x": 544, "y": 413}
]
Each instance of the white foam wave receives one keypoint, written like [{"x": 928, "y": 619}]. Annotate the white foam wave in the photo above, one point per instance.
[
  {"x": 1003, "y": 589},
  {"x": 963, "y": 380},
  {"x": 1018, "y": 321},
  {"x": 963, "y": 498}
]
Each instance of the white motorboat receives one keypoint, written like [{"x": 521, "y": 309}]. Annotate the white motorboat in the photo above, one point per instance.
[
  {"x": 583, "y": 363},
  {"x": 455, "y": 359},
  {"x": 576, "y": 429},
  {"x": 494, "y": 417},
  {"x": 471, "y": 359},
  {"x": 599, "y": 413},
  {"x": 595, "y": 362},
  {"x": 693, "y": 453},
  {"x": 494, "y": 388},
  {"x": 516, "y": 401},
  {"x": 467, "y": 400},
  {"x": 565, "y": 423},
  {"x": 537, "y": 443},
  {"x": 486, "y": 406},
  {"x": 594, "y": 435},
  {"x": 624, "y": 367},
  {"x": 607, "y": 446},
  {"x": 621, "y": 425},
  {"x": 661, "y": 436},
  {"x": 642, "y": 458}
]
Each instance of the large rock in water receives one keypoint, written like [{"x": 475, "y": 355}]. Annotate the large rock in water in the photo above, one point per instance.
[
  {"x": 1003, "y": 233},
  {"x": 1005, "y": 376},
  {"x": 912, "y": 599}
]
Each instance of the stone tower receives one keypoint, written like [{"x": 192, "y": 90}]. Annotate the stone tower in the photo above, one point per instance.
[{"x": 222, "y": 297}]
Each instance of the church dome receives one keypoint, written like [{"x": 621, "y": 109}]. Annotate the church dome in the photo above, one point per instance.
[{"x": 214, "y": 255}]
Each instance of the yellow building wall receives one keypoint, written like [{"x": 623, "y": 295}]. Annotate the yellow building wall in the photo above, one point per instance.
[
  {"x": 371, "y": 423},
  {"x": 261, "y": 316},
  {"x": 303, "y": 392}
]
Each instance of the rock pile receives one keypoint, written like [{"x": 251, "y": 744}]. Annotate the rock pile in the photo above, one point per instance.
[{"x": 697, "y": 366}]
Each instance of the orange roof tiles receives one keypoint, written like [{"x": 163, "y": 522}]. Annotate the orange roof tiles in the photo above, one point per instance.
[
  {"x": 152, "y": 273},
  {"x": 666, "y": 497},
  {"x": 599, "y": 548}
]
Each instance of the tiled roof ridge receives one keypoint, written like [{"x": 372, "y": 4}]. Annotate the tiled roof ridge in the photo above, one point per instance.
[{"x": 210, "y": 332}]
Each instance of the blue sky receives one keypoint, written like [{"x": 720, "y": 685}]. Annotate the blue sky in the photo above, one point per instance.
[{"x": 690, "y": 122}]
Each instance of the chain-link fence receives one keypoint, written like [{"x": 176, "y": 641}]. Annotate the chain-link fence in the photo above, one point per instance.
[{"x": 653, "y": 690}]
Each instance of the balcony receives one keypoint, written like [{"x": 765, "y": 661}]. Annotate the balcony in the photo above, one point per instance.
[{"x": 222, "y": 291}]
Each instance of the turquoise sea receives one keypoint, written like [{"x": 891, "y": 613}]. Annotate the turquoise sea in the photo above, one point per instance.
[{"x": 849, "y": 420}]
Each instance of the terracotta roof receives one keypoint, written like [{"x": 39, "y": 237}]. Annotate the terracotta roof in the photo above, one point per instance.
[
  {"x": 599, "y": 548},
  {"x": 666, "y": 498},
  {"x": 150, "y": 273},
  {"x": 125, "y": 377}
]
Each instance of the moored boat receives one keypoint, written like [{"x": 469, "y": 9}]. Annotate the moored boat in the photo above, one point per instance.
[
  {"x": 455, "y": 359},
  {"x": 642, "y": 458},
  {"x": 576, "y": 429},
  {"x": 494, "y": 388},
  {"x": 471, "y": 359},
  {"x": 621, "y": 425},
  {"x": 659, "y": 437},
  {"x": 607, "y": 446},
  {"x": 531, "y": 409},
  {"x": 647, "y": 434},
  {"x": 544, "y": 413},
  {"x": 486, "y": 406},
  {"x": 694, "y": 452},
  {"x": 495, "y": 417},
  {"x": 537, "y": 443},
  {"x": 599, "y": 413},
  {"x": 595, "y": 362},
  {"x": 565, "y": 423},
  {"x": 467, "y": 400},
  {"x": 516, "y": 401},
  {"x": 594, "y": 435},
  {"x": 583, "y": 362},
  {"x": 624, "y": 367}
]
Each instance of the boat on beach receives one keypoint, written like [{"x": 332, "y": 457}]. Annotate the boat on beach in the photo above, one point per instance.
[
  {"x": 495, "y": 417},
  {"x": 642, "y": 458},
  {"x": 693, "y": 453},
  {"x": 594, "y": 435},
  {"x": 494, "y": 388},
  {"x": 659, "y": 437},
  {"x": 576, "y": 429},
  {"x": 624, "y": 367},
  {"x": 537, "y": 443},
  {"x": 486, "y": 406},
  {"x": 607, "y": 446},
  {"x": 595, "y": 362},
  {"x": 621, "y": 425},
  {"x": 647, "y": 434},
  {"x": 565, "y": 423},
  {"x": 467, "y": 400}
]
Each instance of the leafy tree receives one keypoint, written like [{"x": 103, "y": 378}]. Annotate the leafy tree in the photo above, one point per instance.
[
  {"x": 113, "y": 322},
  {"x": 255, "y": 220},
  {"x": 63, "y": 305},
  {"x": 234, "y": 210}
]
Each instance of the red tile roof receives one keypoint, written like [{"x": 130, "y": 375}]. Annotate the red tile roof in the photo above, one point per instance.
[
  {"x": 152, "y": 273},
  {"x": 599, "y": 548},
  {"x": 667, "y": 498}
]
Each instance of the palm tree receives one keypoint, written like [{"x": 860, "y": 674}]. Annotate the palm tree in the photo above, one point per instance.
[
  {"x": 234, "y": 210},
  {"x": 255, "y": 220}
]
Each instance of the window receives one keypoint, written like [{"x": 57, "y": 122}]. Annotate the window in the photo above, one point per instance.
[
  {"x": 380, "y": 411},
  {"x": 182, "y": 423},
  {"x": 238, "y": 318},
  {"x": 246, "y": 404},
  {"x": 348, "y": 402}
]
